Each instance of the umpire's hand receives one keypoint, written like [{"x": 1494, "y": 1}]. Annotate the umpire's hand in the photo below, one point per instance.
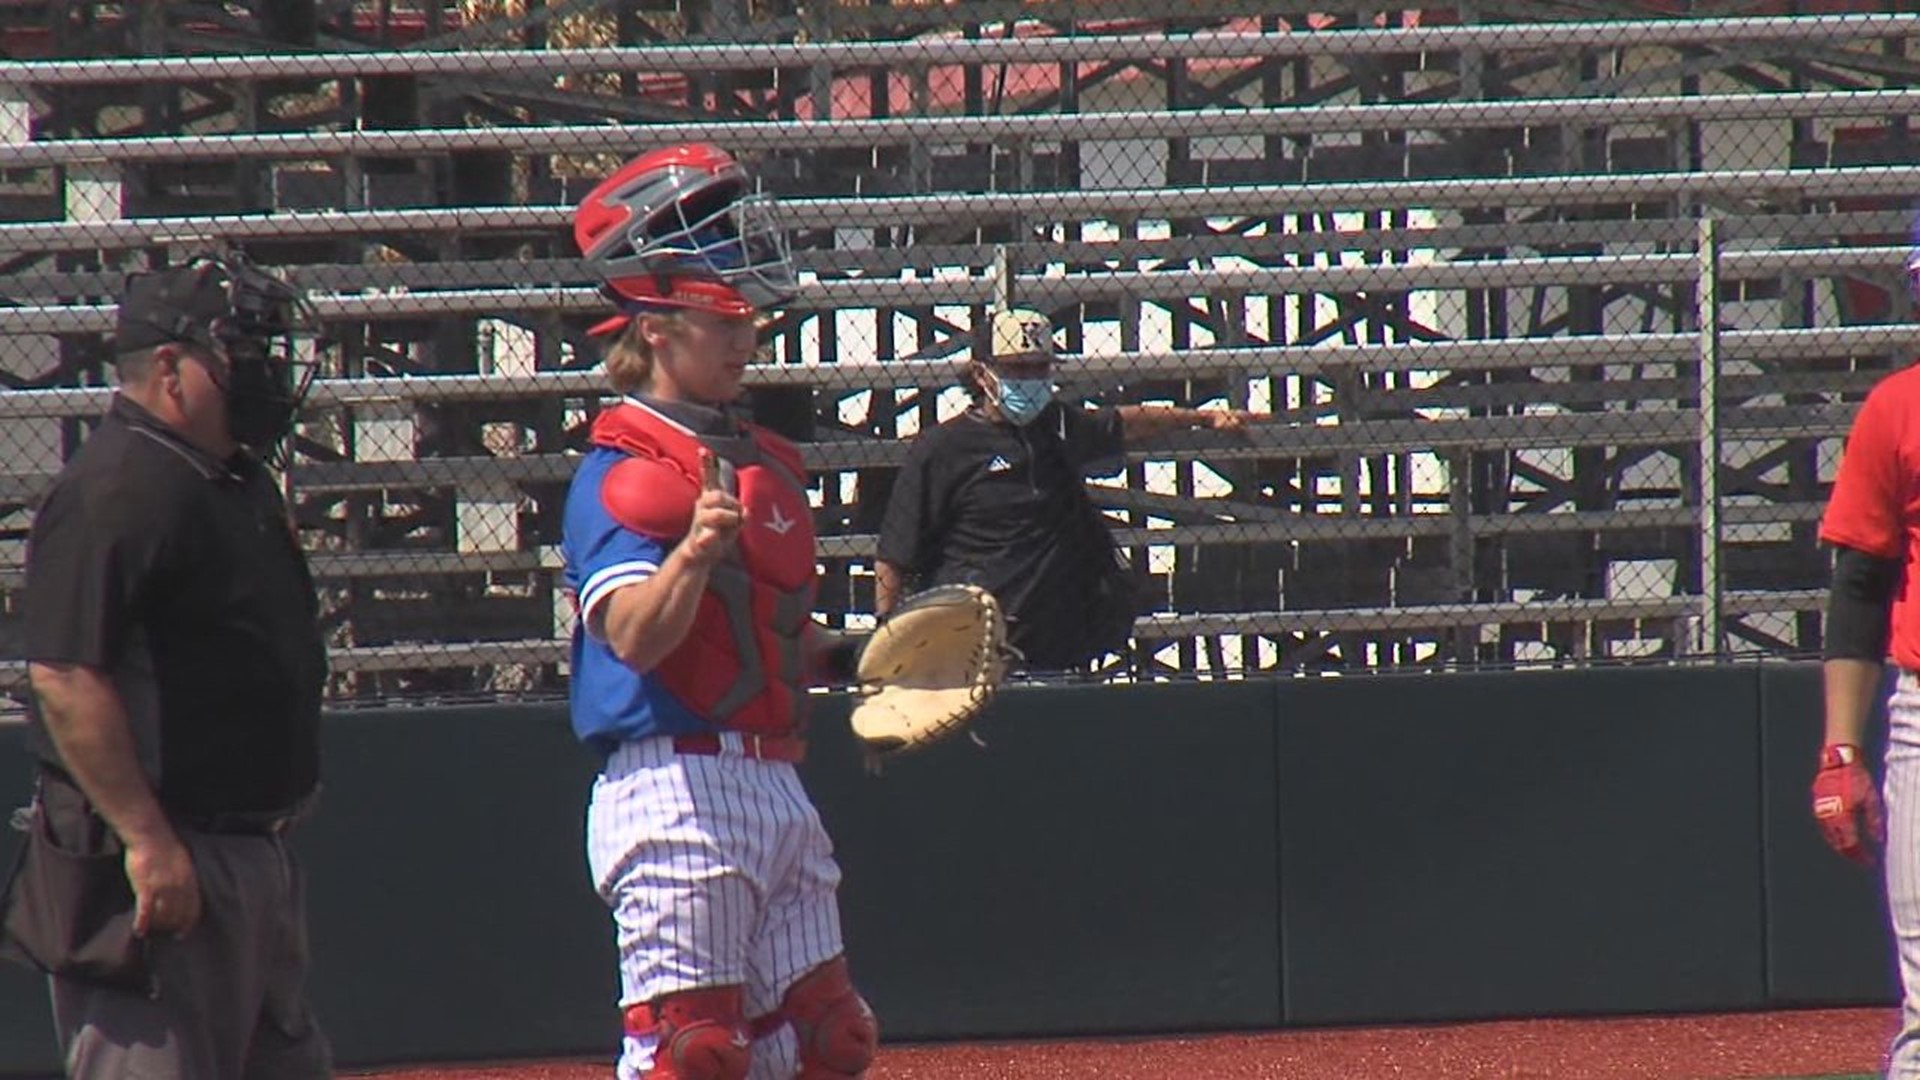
[
  {"x": 1846, "y": 805},
  {"x": 166, "y": 891}
]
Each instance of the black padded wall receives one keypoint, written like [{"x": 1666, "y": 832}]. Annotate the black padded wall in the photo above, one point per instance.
[
  {"x": 26, "y": 1021},
  {"x": 1520, "y": 844},
  {"x": 1103, "y": 864},
  {"x": 1828, "y": 941},
  {"x": 451, "y": 910}
]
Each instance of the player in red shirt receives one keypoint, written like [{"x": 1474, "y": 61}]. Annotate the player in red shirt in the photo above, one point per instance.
[{"x": 1873, "y": 612}]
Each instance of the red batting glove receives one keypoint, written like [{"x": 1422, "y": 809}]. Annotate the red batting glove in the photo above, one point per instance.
[{"x": 1844, "y": 794}]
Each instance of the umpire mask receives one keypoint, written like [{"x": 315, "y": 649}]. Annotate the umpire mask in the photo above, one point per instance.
[{"x": 228, "y": 305}]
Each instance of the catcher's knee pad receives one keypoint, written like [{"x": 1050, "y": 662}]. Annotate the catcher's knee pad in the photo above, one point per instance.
[
  {"x": 702, "y": 1035},
  {"x": 836, "y": 1030}
]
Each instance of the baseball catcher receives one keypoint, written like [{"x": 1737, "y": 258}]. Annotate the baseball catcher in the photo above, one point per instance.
[
  {"x": 930, "y": 668},
  {"x": 689, "y": 544}
]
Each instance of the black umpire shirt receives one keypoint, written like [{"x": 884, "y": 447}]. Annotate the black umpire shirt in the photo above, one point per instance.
[
  {"x": 1004, "y": 507},
  {"x": 179, "y": 576}
]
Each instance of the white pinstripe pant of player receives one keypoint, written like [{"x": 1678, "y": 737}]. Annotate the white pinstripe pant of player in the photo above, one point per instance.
[
  {"x": 718, "y": 873},
  {"x": 1903, "y": 865}
]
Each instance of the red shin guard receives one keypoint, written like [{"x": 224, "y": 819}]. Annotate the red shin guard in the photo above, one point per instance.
[
  {"x": 702, "y": 1034},
  {"x": 837, "y": 1031}
]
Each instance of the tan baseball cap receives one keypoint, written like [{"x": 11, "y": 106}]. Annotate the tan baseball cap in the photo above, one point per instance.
[{"x": 1018, "y": 332}]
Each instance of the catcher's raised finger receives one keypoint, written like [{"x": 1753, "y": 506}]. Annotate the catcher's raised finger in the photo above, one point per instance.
[{"x": 717, "y": 473}]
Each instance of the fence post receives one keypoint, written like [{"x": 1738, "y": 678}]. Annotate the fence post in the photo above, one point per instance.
[
  {"x": 1711, "y": 634},
  {"x": 1002, "y": 278}
]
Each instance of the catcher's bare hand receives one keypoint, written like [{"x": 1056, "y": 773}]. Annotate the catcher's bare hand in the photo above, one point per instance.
[
  {"x": 166, "y": 890},
  {"x": 717, "y": 516}
]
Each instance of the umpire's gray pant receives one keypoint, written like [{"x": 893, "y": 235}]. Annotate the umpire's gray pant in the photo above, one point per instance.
[{"x": 233, "y": 1000}]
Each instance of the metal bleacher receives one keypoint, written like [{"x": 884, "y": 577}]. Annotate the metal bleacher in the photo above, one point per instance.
[{"x": 1508, "y": 282}]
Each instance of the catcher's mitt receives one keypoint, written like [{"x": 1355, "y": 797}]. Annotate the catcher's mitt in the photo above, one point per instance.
[{"x": 930, "y": 667}]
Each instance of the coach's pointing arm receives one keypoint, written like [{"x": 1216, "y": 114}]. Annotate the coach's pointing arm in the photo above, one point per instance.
[{"x": 1146, "y": 421}]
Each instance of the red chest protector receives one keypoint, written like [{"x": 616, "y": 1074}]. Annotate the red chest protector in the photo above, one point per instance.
[{"x": 740, "y": 666}]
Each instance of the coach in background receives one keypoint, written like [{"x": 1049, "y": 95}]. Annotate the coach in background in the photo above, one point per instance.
[
  {"x": 997, "y": 497},
  {"x": 1873, "y": 611},
  {"x": 177, "y": 669}
]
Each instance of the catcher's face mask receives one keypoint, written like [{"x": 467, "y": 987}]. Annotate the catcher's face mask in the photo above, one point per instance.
[
  {"x": 228, "y": 306},
  {"x": 681, "y": 227}
]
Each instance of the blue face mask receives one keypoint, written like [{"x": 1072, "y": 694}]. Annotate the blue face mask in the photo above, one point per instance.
[{"x": 1022, "y": 400}]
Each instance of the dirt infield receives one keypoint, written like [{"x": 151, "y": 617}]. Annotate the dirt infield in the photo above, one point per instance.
[{"x": 1809, "y": 1043}]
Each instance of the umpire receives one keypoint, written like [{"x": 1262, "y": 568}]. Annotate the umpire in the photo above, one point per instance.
[{"x": 177, "y": 669}]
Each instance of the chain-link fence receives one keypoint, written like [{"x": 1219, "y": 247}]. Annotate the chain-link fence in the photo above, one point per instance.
[{"x": 1561, "y": 323}]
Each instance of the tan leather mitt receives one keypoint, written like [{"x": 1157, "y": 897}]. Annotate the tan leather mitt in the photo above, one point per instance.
[{"x": 930, "y": 667}]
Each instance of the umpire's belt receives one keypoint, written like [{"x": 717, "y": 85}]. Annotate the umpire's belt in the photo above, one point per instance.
[
  {"x": 789, "y": 748},
  {"x": 248, "y": 822}
]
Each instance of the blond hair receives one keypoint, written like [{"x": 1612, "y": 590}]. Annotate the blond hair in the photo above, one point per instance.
[{"x": 629, "y": 360}]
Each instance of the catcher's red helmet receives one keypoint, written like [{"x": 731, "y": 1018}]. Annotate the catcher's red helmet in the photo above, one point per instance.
[{"x": 680, "y": 227}]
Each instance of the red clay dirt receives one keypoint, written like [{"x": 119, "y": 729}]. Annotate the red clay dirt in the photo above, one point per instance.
[{"x": 1815, "y": 1042}]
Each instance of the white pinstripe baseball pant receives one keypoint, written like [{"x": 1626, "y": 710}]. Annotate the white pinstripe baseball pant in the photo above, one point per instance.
[
  {"x": 718, "y": 873},
  {"x": 1902, "y": 787}
]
